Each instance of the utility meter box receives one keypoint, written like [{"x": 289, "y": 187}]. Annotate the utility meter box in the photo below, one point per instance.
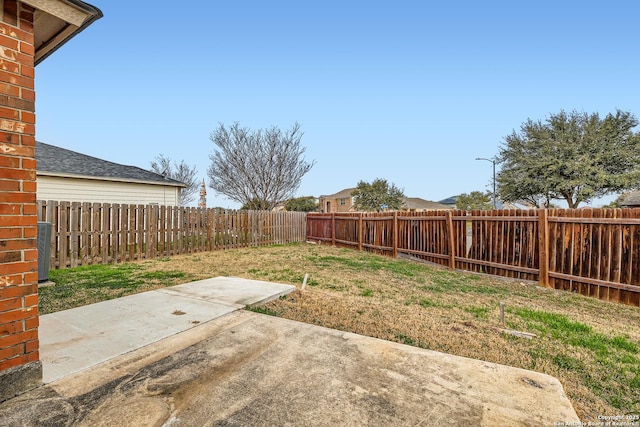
[{"x": 44, "y": 250}]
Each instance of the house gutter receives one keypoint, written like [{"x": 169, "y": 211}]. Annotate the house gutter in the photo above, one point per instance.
[{"x": 172, "y": 183}]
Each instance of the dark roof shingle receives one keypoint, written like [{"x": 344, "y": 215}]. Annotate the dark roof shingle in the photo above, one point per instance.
[
  {"x": 61, "y": 161},
  {"x": 418, "y": 203},
  {"x": 632, "y": 199},
  {"x": 346, "y": 193}
]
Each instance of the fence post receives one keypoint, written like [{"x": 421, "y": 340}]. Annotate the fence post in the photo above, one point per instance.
[
  {"x": 41, "y": 210},
  {"x": 74, "y": 228},
  {"x": 333, "y": 229},
  {"x": 148, "y": 230},
  {"x": 394, "y": 238},
  {"x": 452, "y": 241},
  {"x": 52, "y": 217},
  {"x": 543, "y": 248},
  {"x": 360, "y": 231}
]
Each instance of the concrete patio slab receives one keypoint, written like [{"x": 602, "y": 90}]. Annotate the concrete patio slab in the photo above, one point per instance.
[
  {"x": 73, "y": 340},
  {"x": 248, "y": 369},
  {"x": 232, "y": 290}
]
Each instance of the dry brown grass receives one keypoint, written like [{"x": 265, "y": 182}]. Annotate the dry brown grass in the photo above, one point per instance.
[{"x": 590, "y": 345}]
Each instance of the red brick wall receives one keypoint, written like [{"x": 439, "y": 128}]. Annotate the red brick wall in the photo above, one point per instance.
[{"x": 18, "y": 222}]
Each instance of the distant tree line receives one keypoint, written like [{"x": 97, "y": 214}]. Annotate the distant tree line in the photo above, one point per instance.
[{"x": 571, "y": 156}]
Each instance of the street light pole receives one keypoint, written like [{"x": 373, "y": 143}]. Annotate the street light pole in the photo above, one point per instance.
[{"x": 493, "y": 162}]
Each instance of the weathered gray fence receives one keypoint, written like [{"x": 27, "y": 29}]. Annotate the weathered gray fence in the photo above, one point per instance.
[{"x": 93, "y": 233}]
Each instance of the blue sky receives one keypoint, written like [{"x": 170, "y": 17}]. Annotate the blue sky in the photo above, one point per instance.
[{"x": 408, "y": 91}]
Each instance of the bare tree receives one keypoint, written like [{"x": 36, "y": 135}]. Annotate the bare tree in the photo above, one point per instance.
[
  {"x": 260, "y": 168},
  {"x": 180, "y": 172}
]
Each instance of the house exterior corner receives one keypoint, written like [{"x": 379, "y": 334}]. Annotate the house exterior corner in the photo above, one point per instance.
[{"x": 22, "y": 38}]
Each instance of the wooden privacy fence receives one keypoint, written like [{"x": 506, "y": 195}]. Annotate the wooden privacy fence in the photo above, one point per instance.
[
  {"x": 93, "y": 233},
  {"x": 594, "y": 252}
]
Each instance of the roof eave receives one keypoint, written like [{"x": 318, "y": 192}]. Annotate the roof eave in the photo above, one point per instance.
[
  {"x": 106, "y": 178},
  {"x": 58, "y": 21}
]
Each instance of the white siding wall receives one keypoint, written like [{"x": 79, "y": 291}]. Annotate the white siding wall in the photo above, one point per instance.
[{"x": 89, "y": 190}]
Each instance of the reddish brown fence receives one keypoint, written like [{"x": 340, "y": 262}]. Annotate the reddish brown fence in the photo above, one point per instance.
[
  {"x": 595, "y": 252},
  {"x": 92, "y": 233}
]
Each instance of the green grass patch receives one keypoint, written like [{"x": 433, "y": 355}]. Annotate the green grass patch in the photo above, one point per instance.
[
  {"x": 433, "y": 303},
  {"x": 448, "y": 282},
  {"x": 615, "y": 356},
  {"x": 556, "y": 326},
  {"x": 404, "y": 339},
  {"x": 97, "y": 276},
  {"x": 478, "y": 312},
  {"x": 551, "y": 322},
  {"x": 284, "y": 275},
  {"x": 368, "y": 263},
  {"x": 94, "y": 283},
  {"x": 263, "y": 310},
  {"x": 162, "y": 275},
  {"x": 425, "y": 302},
  {"x": 574, "y": 333},
  {"x": 367, "y": 293},
  {"x": 567, "y": 362},
  {"x": 537, "y": 354}
]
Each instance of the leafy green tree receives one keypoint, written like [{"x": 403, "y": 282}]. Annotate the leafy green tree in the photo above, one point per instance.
[
  {"x": 260, "y": 168},
  {"x": 573, "y": 156},
  {"x": 377, "y": 196},
  {"x": 302, "y": 204},
  {"x": 476, "y": 200}
]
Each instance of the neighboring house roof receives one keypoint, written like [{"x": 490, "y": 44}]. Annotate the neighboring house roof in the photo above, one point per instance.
[
  {"x": 418, "y": 203},
  {"x": 408, "y": 202},
  {"x": 58, "y": 21},
  {"x": 57, "y": 161},
  {"x": 514, "y": 205},
  {"x": 344, "y": 194},
  {"x": 632, "y": 199},
  {"x": 449, "y": 200}
]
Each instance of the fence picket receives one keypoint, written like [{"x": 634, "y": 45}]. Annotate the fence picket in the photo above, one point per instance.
[
  {"x": 88, "y": 233},
  {"x": 595, "y": 252},
  {"x": 543, "y": 248}
]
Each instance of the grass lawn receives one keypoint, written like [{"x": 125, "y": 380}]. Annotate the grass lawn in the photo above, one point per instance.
[{"x": 592, "y": 346}]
